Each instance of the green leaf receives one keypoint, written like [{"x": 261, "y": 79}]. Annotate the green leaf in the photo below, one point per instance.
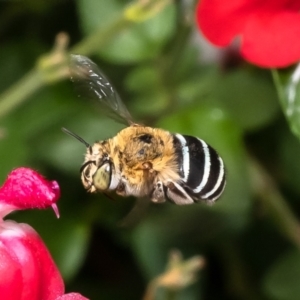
[
  {"x": 16, "y": 58},
  {"x": 288, "y": 87},
  {"x": 96, "y": 13},
  {"x": 282, "y": 280},
  {"x": 13, "y": 152},
  {"x": 248, "y": 96},
  {"x": 139, "y": 42},
  {"x": 143, "y": 79},
  {"x": 149, "y": 96},
  {"x": 30, "y": 125},
  {"x": 289, "y": 149},
  {"x": 149, "y": 242},
  {"x": 73, "y": 241}
]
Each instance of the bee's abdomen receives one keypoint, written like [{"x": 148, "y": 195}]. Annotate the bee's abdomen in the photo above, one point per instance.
[{"x": 201, "y": 168}]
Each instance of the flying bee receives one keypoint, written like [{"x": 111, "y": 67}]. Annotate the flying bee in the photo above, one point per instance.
[{"x": 142, "y": 161}]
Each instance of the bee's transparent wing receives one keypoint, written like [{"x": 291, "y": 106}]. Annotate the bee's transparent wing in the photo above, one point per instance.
[{"x": 90, "y": 82}]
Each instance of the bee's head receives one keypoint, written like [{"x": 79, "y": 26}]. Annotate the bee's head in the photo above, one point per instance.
[{"x": 96, "y": 171}]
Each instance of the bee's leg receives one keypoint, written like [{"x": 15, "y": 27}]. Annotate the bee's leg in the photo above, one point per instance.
[
  {"x": 158, "y": 194},
  {"x": 120, "y": 190},
  {"x": 148, "y": 166},
  {"x": 177, "y": 194}
]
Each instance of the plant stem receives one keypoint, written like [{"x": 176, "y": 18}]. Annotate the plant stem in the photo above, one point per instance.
[
  {"x": 278, "y": 85},
  {"x": 43, "y": 73},
  {"x": 139, "y": 11},
  {"x": 273, "y": 200}
]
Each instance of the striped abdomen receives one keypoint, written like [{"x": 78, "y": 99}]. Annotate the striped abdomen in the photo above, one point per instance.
[{"x": 201, "y": 168}]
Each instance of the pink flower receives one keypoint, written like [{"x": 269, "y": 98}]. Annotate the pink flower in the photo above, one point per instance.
[
  {"x": 27, "y": 270},
  {"x": 268, "y": 30}
]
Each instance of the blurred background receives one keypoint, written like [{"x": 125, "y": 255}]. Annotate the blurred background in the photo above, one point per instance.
[{"x": 168, "y": 77}]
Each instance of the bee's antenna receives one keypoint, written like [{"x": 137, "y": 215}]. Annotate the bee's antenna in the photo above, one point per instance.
[{"x": 65, "y": 130}]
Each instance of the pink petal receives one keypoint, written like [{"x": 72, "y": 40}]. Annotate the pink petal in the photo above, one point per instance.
[
  {"x": 25, "y": 188},
  {"x": 10, "y": 276},
  {"x": 27, "y": 270},
  {"x": 36, "y": 275},
  {"x": 268, "y": 30},
  {"x": 71, "y": 296},
  {"x": 221, "y": 21},
  {"x": 272, "y": 40}
]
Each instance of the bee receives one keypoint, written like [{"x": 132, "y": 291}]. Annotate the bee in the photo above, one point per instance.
[{"x": 142, "y": 161}]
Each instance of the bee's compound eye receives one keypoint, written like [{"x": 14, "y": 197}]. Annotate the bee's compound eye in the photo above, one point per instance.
[{"x": 102, "y": 177}]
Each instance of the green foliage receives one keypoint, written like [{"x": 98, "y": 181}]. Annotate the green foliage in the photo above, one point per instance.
[
  {"x": 249, "y": 97},
  {"x": 281, "y": 281},
  {"x": 164, "y": 81},
  {"x": 289, "y": 92},
  {"x": 143, "y": 41}
]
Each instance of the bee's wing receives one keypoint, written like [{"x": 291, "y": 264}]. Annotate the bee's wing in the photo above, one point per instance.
[{"x": 91, "y": 83}]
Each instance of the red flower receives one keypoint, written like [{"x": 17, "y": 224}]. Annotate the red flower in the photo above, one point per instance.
[
  {"x": 269, "y": 30},
  {"x": 27, "y": 270}
]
